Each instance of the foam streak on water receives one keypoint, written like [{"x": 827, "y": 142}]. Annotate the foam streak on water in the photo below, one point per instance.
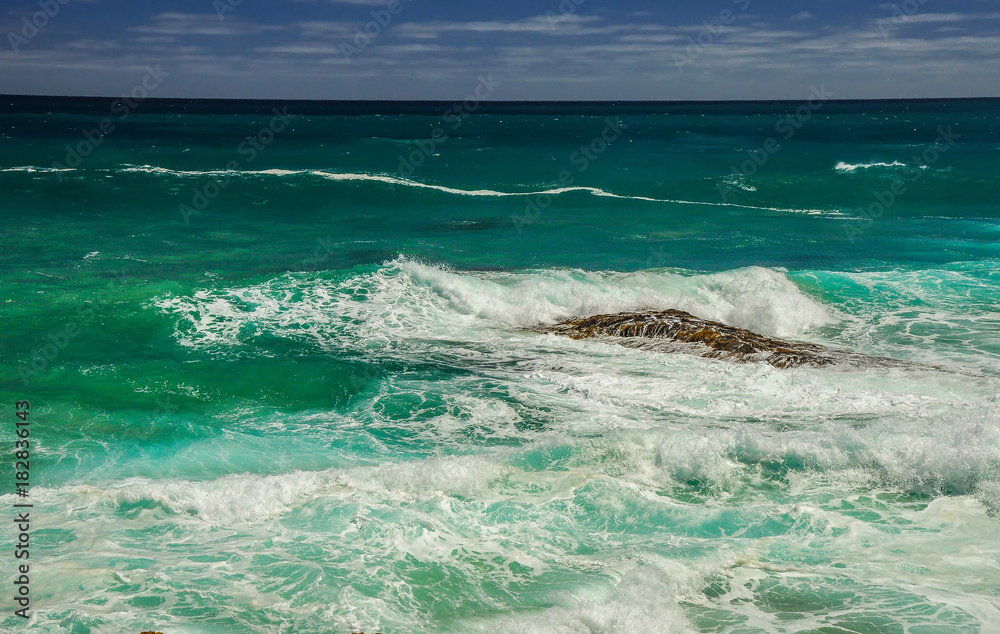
[{"x": 405, "y": 182}]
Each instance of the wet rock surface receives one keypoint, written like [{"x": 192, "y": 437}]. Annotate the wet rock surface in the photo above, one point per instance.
[{"x": 678, "y": 331}]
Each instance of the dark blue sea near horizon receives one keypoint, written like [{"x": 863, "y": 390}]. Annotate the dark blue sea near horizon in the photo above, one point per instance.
[{"x": 282, "y": 373}]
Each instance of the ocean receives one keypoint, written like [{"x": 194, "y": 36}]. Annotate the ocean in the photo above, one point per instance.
[{"x": 281, "y": 375}]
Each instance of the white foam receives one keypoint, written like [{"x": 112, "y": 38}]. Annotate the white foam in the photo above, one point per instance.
[
  {"x": 232, "y": 499},
  {"x": 596, "y": 191},
  {"x": 739, "y": 181},
  {"x": 480, "y": 521},
  {"x": 945, "y": 315},
  {"x": 153, "y": 169},
  {"x": 421, "y": 313},
  {"x": 755, "y": 298},
  {"x": 642, "y": 599},
  {"x": 405, "y": 182},
  {"x": 843, "y": 166},
  {"x": 381, "y": 178},
  {"x": 244, "y": 498},
  {"x": 32, "y": 169},
  {"x": 407, "y": 300}
]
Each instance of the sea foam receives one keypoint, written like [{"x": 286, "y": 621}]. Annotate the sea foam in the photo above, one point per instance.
[
  {"x": 409, "y": 297},
  {"x": 396, "y": 181},
  {"x": 843, "y": 166}
]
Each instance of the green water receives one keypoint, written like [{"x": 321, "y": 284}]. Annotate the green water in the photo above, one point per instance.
[{"x": 313, "y": 404}]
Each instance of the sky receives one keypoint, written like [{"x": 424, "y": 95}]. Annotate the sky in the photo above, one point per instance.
[{"x": 510, "y": 50}]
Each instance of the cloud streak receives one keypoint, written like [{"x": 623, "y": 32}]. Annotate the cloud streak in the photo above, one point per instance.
[{"x": 602, "y": 55}]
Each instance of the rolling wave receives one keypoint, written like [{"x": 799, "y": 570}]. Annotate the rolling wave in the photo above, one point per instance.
[
  {"x": 412, "y": 299},
  {"x": 412, "y": 303},
  {"x": 405, "y": 182}
]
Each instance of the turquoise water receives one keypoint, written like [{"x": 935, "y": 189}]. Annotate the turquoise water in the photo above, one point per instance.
[{"x": 312, "y": 404}]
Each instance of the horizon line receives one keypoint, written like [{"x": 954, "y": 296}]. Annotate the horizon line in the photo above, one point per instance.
[{"x": 504, "y": 101}]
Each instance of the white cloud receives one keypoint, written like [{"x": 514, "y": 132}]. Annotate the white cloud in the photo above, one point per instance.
[
  {"x": 173, "y": 23},
  {"x": 555, "y": 25},
  {"x": 326, "y": 29},
  {"x": 94, "y": 45},
  {"x": 539, "y": 57},
  {"x": 936, "y": 18}
]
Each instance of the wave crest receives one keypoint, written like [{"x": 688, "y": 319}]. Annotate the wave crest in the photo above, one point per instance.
[
  {"x": 408, "y": 300},
  {"x": 390, "y": 180}
]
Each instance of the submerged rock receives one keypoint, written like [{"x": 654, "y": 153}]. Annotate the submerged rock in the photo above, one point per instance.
[{"x": 678, "y": 331}]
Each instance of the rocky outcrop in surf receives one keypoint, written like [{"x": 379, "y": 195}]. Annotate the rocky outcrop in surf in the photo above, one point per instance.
[{"x": 678, "y": 331}]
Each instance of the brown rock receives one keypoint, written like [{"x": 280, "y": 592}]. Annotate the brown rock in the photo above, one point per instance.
[{"x": 678, "y": 331}]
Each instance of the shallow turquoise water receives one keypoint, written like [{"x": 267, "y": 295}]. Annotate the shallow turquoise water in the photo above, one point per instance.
[{"x": 315, "y": 404}]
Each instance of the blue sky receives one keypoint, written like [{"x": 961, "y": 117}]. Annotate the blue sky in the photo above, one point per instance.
[{"x": 545, "y": 49}]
